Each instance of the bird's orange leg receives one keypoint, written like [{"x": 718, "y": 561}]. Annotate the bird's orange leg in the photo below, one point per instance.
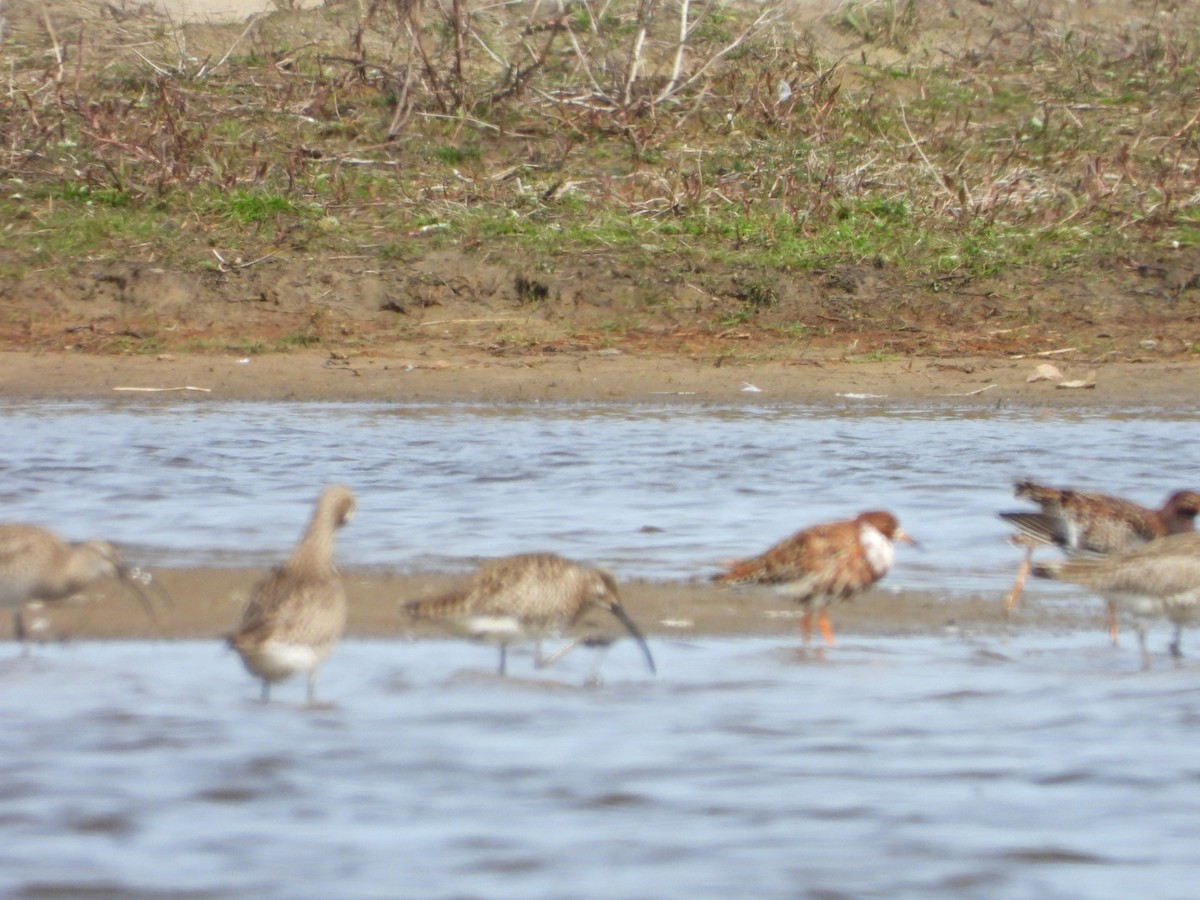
[
  {"x": 1110, "y": 619},
  {"x": 806, "y": 627},
  {"x": 826, "y": 628},
  {"x": 1014, "y": 593}
]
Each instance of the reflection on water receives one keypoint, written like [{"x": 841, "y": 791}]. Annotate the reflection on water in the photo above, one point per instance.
[
  {"x": 1040, "y": 766},
  {"x": 659, "y": 492}
]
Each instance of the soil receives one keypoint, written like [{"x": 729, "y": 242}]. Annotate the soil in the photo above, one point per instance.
[
  {"x": 205, "y": 604},
  {"x": 478, "y": 302},
  {"x": 484, "y": 300},
  {"x": 441, "y": 372},
  {"x": 482, "y": 324},
  {"x": 207, "y": 601}
]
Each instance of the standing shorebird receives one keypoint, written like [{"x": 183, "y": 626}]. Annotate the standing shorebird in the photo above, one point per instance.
[
  {"x": 1082, "y": 523},
  {"x": 298, "y": 611},
  {"x": 528, "y": 596},
  {"x": 823, "y": 565},
  {"x": 1160, "y": 579},
  {"x": 37, "y": 565}
]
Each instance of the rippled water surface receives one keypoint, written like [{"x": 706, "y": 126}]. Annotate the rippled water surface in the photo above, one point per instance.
[
  {"x": 662, "y": 492},
  {"x": 1035, "y": 767},
  {"x": 1024, "y": 765}
]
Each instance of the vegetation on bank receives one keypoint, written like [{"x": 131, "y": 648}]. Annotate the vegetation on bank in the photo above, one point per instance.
[{"x": 943, "y": 141}]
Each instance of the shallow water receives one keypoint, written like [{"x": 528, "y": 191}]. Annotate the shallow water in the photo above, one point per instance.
[
  {"x": 1039, "y": 765},
  {"x": 1033, "y": 766},
  {"x": 659, "y": 492}
]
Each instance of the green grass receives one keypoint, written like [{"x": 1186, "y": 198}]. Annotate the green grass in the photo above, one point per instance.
[
  {"x": 56, "y": 230},
  {"x": 1051, "y": 148},
  {"x": 455, "y": 155},
  {"x": 875, "y": 356},
  {"x": 246, "y": 207}
]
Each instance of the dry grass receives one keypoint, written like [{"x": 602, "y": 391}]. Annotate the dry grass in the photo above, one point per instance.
[{"x": 945, "y": 144}]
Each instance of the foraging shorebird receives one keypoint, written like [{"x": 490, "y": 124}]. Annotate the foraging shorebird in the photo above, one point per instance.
[
  {"x": 1082, "y": 523},
  {"x": 527, "y": 596},
  {"x": 1160, "y": 579},
  {"x": 298, "y": 611},
  {"x": 38, "y": 565},
  {"x": 823, "y": 565}
]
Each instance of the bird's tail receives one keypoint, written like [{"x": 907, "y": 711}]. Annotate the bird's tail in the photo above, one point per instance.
[
  {"x": 444, "y": 606},
  {"x": 1078, "y": 570},
  {"x": 744, "y": 571},
  {"x": 1040, "y": 527}
]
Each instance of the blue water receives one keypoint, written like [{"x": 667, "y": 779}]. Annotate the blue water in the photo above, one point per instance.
[
  {"x": 659, "y": 492},
  {"x": 1034, "y": 766},
  {"x": 1012, "y": 765}
]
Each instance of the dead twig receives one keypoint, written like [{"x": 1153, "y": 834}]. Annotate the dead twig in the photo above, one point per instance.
[
  {"x": 226, "y": 266},
  {"x": 59, "y": 58},
  {"x": 973, "y": 393},
  {"x": 962, "y": 196},
  {"x": 155, "y": 390},
  {"x": 467, "y": 321},
  {"x": 1045, "y": 353}
]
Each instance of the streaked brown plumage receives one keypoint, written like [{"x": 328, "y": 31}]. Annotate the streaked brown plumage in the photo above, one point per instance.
[
  {"x": 1160, "y": 579},
  {"x": 1081, "y": 522},
  {"x": 36, "y": 564},
  {"x": 823, "y": 565},
  {"x": 525, "y": 597},
  {"x": 298, "y": 611}
]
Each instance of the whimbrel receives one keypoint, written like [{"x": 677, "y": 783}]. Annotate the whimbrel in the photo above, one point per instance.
[
  {"x": 524, "y": 597},
  {"x": 1080, "y": 523},
  {"x": 823, "y": 565},
  {"x": 297, "y": 612},
  {"x": 38, "y": 565}
]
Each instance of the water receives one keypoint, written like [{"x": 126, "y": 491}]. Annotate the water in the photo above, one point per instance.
[
  {"x": 1021, "y": 765},
  {"x": 657, "y": 492},
  {"x": 914, "y": 767}
]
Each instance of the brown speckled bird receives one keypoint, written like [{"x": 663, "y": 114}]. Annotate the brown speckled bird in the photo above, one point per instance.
[
  {"x": 38, "y": 565},
  {"x": 823, "y": 565},
  {"x": 1083, "y": 523},
  {"x": 1160, "y": 579},
  {"x": 527, "y": 597},
  {"x": 298, "y": 611}
]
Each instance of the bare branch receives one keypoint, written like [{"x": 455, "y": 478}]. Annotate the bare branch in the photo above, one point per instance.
[
  {"x": 766, "y": 17},
  {"x": 684, "y": 29},
  {"x": 645, "y": 16},
  {"x": 58, "y": 52}
]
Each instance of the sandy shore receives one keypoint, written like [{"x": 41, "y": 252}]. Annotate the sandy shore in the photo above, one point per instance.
[
  {"x": 207, "y": 601},
  {"x": 444, "y": 374},
  {"x": 205, "y": 604}
]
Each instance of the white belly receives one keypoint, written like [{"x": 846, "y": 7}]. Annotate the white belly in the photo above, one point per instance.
[
  {"x": 1142, "y": 605},
  {"x": 277, "y": 660},
  {"x": 499, "y": 628}
]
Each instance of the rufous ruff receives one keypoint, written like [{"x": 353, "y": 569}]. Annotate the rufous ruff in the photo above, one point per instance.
[
  {"x": 823, "y": 565},
  {"x": 1160, "y": 579},
  {"x": 297, "y": 612},
  {"x": 527, "y": 597},
  {"x": 38, "y": 565},
  {"x": 1084, "y": 523}
]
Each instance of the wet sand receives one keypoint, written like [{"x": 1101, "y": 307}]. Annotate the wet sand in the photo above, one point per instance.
[
  {"x": 207, "y": 601},
  {"x": 443, "y": 373}
]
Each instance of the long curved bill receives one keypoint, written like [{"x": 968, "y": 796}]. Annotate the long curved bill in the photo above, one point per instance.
[
  {"x": 623, "y": 617},
  {"x": 138, "y": 579}
]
